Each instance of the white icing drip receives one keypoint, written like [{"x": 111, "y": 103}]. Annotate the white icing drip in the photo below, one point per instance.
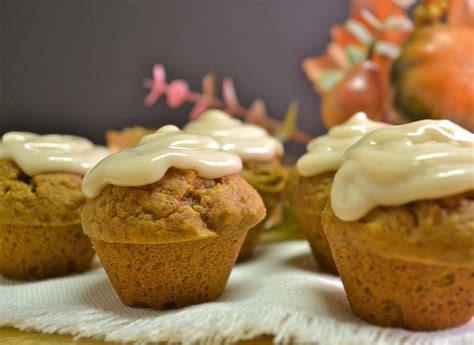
[
  {"x": 148, "y": 161},
  {"x": 396, "y": 165},
  {"x": 325, "y": 152},
  {"x": 36, "y": 154},
  {"x": 249, "y": 141}
]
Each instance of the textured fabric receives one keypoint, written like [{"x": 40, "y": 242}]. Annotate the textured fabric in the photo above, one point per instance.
[{"x": 280, "y": 292}]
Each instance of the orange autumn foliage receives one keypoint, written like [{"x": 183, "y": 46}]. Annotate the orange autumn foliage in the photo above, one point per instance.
[{"x": 433, "y": 76}]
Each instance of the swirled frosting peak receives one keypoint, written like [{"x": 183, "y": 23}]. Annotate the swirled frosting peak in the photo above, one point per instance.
[
  {"x": 396, "y": 165},
  {"x": 250, "y": 142},
  {"x": 36, "y": 154},
  {"x": 324, "y": 153},
  {"x": 148, "y": 161}
]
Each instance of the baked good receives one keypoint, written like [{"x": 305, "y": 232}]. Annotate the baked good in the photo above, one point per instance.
[
  {"x": 309, "y": 185},
  {"x": 127, "y": 137},
  {"x": 401, "y": 225},
  {"x": 260, "y": 154},
  {"x": 40, "y": 204},
  {"x": 167, "y": 218}
]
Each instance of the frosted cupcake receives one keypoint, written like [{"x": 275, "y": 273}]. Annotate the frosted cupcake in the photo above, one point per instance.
[
  {"x": 260, "y": 154},
  {"x": 168, "y": 217},
  {"x": 127, "y": 137},
  {"x": 40, "y": 204},
  {"x": 401, "y": 225},
  {"x": 309, "y": 185}
]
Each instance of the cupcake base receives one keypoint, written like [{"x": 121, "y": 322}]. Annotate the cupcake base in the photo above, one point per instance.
[
  {"x": 169, "y": 275},
  {"x": 39, "y": 252},
  {"x": 313, "y": 231},
  {"x": 250, "y": 242},
  {"x": 308, "y": 197},
  {"x": 268, "y": 179},
  {"x": 399, "y": 293}
]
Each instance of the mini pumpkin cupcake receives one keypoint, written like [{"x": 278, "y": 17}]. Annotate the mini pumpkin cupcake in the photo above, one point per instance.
[
  {"x": 40, "y": 204},
  {"x": 127, "y": 137},
  {"x": 168, "y": 217},
  {"x": 401, "y": 225},
  {"x": 260, "y": 154},
  {"x": 309, "y": 185}
]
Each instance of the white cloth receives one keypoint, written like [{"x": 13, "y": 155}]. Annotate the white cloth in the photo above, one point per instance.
[{"x": 280, "y": 292}]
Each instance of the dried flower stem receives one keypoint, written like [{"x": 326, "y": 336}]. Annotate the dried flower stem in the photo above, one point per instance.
[{"x": 236, "y": 110}]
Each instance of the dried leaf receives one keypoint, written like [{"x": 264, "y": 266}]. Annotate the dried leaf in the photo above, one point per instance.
[
  {"x": 158, "y": 85},
  {"x": 371, "y": 19},
  {"x": 398, "y": 23},
  {"x": 329, "y": 78},
  {"x": 201, "y": 106},
  {"x": 290, "y": 123},
  {"x": 229, "y": 95},
  {"x": 384, "y": 8},
  {"x": 338, "y": 55},
  {"x": 178, "y": 93},
  {"x": 257, "y": 112},
  {"x": 153, "y": 97},
  {"x": 359, "y": 31},
  {"x": 353, "y": 42},
  {"x": 341, "y": 36},
  {"x": 159, "y": 74},
  {"x": 387, "y": 49},
  {"x": 275, "y": 217},
  {"x": 355, "y": 54},
  {"x": 406, "y": 4},
  {"x": 314, "y": 66},
  {"x": 209, "y": 85}
]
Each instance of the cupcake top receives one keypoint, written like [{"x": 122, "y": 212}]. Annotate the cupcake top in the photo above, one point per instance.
[
  {"x": 325, "y": 153},
  {"x": 148, "y": 161},
  {"x": 250, "y": 142},
  {"x": 400, "y": 164},
  {"x": 36, "y": 154}
]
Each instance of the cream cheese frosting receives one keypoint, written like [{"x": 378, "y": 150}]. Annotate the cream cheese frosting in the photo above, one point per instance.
[
  {"x": 36, "y": 154},
  {"x": 396, "y": 165},
  {"x": 148, "y": 161},
  {"x": 249, "y": 141},
  {"x": 325, "y": 153}
]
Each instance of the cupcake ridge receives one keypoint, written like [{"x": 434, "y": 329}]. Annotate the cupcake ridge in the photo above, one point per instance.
[
  {"x": 400, "y": 164},
  {"x": 148, "y": 161},
  {"x": 325, "y": 152},
  {"x": 36, "y": 154},
  {"x": 249, "y": 141}
]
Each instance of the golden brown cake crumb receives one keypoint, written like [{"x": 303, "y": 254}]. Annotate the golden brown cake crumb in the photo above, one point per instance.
[
  {"x": 181, "y": 206},
  {"x": 52, "y": 198},
  {"x": 438, "y": 230}
]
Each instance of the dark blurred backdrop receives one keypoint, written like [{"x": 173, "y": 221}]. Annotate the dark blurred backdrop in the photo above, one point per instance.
[{"x": 76, "y": 66}]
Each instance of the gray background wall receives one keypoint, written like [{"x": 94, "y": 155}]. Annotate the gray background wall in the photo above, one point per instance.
[{"x": 76, "y": 66}]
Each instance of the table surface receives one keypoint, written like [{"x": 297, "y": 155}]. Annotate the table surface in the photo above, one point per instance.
[{"x": 12, "y": 336}]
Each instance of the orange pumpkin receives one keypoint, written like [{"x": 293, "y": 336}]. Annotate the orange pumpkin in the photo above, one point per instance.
[{"x": 434, "y": 75}]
